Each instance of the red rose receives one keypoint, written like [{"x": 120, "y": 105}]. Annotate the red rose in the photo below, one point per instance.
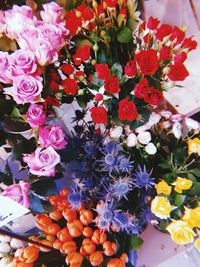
[
  {"x": 130, "y": 69},
  {"x": 112, "y": 85},
  {"x": 77, "y": 60},
  {"x": 152, "y": 23},
  {"x": 147, "y": 61},
  {"x": 67, "y": 69},
  {"x": 111, "y": 3},
  {"x": 165, "y": 53},
  {"x": 177, "y": 34},
  {"x": 100, "y": 10},
  {"x": 50, "y": 101},
  {"x": 180, "y": 58},
  {"x": 54, "y": 86},
  {"x": 155, "y": 96},
  {"x": 83, "y": 52},
  {"x": 86, "y": 13},
  {"x": 178, "y": 72},
  {"x": 98, "y": 97},
  {"x": 189, "y": 43},
  {"x": 147, "y": 38},
  {"x": 99, "y": 115},
  {"x": 70, "y": 86},
  {"x": 163, "y": 31},
  {"x": 54, "y": 75},
  {"x": 79, "y": 75},
  {"x": 72, "y": 27},
  {"x": 127, "y": 110},
  {"x": 102, "y": 70},
  {"x": 123, "y": 12},
  {"x": 142, "y": 88}
]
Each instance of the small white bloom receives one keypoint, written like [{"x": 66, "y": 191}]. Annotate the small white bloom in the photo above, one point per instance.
[
  {"x": 18, "y": 252},
  {"x": 154, "y": 119},
  {"x": 192, "y": 124},
  {"x": 165, "y": 113},
  {"x": 143, "y": 128},
  {"x": 165, "y": 124},
  {"x": 16, "y": 243},
  {"x": 116, "y": 132},
  {"x": 4, "y": 262},
  {"x": 151, "y": 149},
  {"x": 144, "y": 138},
  {"x": 167, "y": 85},
  {"x": 5, "y": 238},
  {"x": 11, "y": 264},
  {"x": 177, "y": 129},
  {"x": 4, "y": 248},
  {"x": 131, "y": 140},
  {"x": 176, "y": 117}
]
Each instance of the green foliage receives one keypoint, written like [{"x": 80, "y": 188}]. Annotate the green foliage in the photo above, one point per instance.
[{"x": 124, "y": 35}]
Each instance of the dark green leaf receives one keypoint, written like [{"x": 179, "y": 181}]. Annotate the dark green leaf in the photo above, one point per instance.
[
  {"x": 136, "y": 242},
  {"x": 44, "y": 187},
  {"x": 195, "y": 171},
  {"x": 124, "y": 35},
  {"x": 179, "y": 200}
]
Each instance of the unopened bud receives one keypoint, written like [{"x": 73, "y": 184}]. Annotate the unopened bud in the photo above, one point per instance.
[
  {"x": 94, "y": 62},
  {"x": 80, "y": 92},
  {"x": 95, "y": 47},
  {"x": 167, "y": 85},
  {"x": 166, "y": 70},
  {"x": 78, "y": 14}
]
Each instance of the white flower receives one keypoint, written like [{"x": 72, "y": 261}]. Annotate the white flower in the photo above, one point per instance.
[
  {"x": 167, "y": 85},
  {"x": 18, "y": 252},
  {"x": 4, "y": 248},
  {"x": 143, "y": 128},
  {"x": 166, "y": 114},
  {"x": 5, "y": 239},
  {"x": 144, "y": 137},
  {"x": 5, "y": 262},
  {"x": 16, "y": 243},
  {"x": 192, "y": 124},
  {"x": 176, "y": 117},
  {"x": 116, "y": 132},
  {"x": 151, "y": 149},
  {"x": 177, "y": 129},
  {"x": 131, "y": 140},
  {"x": 165, "y": 124},
  {"x": 154, "y": 119}
]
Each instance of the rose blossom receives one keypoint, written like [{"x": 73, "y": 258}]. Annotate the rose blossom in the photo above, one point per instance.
[
  {"x": 144, "y": 137},
  {"x": 25, "y": 89},
  {"x": 35, "y": 115},
  {"x": 42, "y": 162},
  {"x": 177, "y": 129},
  {"x": 52, "y": 136},
  {"x": 151, "y": 149},
  {"x": 52, "y": 13},
  {"x": 4, "y": 65},
  {"x": 99, "y": 115},
  {"x": 127, "y": 110},
  {"x": 19, "y": 193},
  {"x": 131, "y": 140},
  {"x": 116, "y": 132},
  {"x": 27, "y": 37},
  {"x": 147, "y": 60},
  {"x": 178, "y": 72}
]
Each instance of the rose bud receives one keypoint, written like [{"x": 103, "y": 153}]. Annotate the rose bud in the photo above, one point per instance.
[
  {"x": 69, "y": 215},
  {"x": 75, "y": 228},
  {"x": 64, "y": 235},
  {"x": 5, "y": 248},
  {"x": 69, "y": 246},
  {"x": 131, "y": 140},
  {"x": 96, "y": 258},
  {"x": 57, "y": 244},
  {"x": 87, "y": 231},
  {"x": 86, "y": 216},
  {"x": 31, "y": 254},
  {"x": 88, "y": 246},
  {"x": 55, "y": 215},
  {"x": 116, "y": 132},
  {"x": 52, "y": 229},
  {"x": 109, "y": 248},
  {"x": 99, "y": 237},
  {"x": 74, "y": 259}
]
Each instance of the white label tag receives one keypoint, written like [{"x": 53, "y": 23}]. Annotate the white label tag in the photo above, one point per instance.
[{"x": 10, "y": 210}]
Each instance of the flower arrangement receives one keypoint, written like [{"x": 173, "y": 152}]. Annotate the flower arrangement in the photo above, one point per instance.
[{"x": 127, "y": 163}]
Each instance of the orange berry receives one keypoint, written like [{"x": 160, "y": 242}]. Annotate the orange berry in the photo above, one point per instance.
[
  {"x": 87, "y": 231},
  {"x": 57, "y": 244},
  {"x": 88, "y": 246},
  {"x": 64, "y": 192},
  {"x": 116, "y": 263},
  {"x": 82, "y": 251},
  {"x": 43, "y": 221},
  {"x": 96, "y": 258},
  {"x": 109, "y": 248},
  {"x": 69, "y": 215},
  {"x": 74, "y": 259},
  {"x": 124, "y": 257},
  {"x": 99, "y": 237},
  {"x": 53, "y": 200},
  {"x": 75, "y": 228},
  {"x": 31, "y": 254},
  {"x": 69, "y": 246},
  {"x": 23, "y": 264},
  {"x": 55, "y": 215},
  {"x": 64, "y": 235},
  {"x": 86, "y": 216},
  {"x": 52, "y": 229},
  {"x": 51, "y": 238}
]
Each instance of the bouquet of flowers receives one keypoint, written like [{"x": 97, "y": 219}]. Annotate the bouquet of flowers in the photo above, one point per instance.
[{"x": 127, "y": 162}]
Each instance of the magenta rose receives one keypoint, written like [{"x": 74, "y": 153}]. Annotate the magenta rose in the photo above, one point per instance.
[
  {"x": 52, "y": 136},
  {"x": 25, "y": 89},
  {"x": 27, "y": 37},
  {"x": 19, "y": 193},
  {"x": 22, "y": 63},
  {"x": 42, "y": 162},
  {"x": 4, "y": 65},
  {"x": 35, "y": 115},
  {"x": 52, "y": 13}
]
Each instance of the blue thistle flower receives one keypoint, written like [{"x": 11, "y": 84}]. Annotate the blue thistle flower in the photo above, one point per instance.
[
  {"x": 111, "y": 148},
  {"x": 125, "y": 165},
  {"x": 75, "y": 199},
  {"x": 126, "y": 222},
  {"x": 105, "y": 216},
  {"x": 109, "y": 163},
  {"x": 121, "y": 187},
  {"x": 89, "y": 148},
  {"x": 142, "y": 178}
]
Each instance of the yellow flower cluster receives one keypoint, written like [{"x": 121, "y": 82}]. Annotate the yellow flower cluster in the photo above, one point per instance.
[
  {"x": 182, "y": 184},
  {"x": 194, "y": 146}
]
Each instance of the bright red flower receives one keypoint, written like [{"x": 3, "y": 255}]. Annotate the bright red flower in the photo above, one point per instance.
[
  {"x": 77, "y": 60},
  {"x": 70, "y": 86},
  {"x": 165, "y": 53},
  {"x": 112, "y": 85},
  {"x": 180, "y": 58},
  {"x": 100, "y": 10},
  {"x": 102, "y": 70},
  {"x": 127, "y": 110},
  {"x": 79, "y": 74},
  {"x": 162, "y": 31},
  {"x": 178, "y": 72},
  {"x": 98, "y": 97},
  {"x": 123, "y": 11},
  {"x": 86, "y": 13},
  {"x": 72, "y": 27},
  {"x": 155, "y": 96},
  {"x": 54, "y": 75},
  {"x": 111, "y": 3},
  {"x": 177, "y": 34},
  {"x": 142, "y": 88},
  {"x": 50, "y": 101},
  {"x": 152, "y": 23},
  {"x": 67, "y": 69},
  {"x": 83, "y": 53},
  {"x": 130, "y": 69},
  {"x": 189, "y": 43},
  {"x": 147, "y": 61},
  {"x": 99, "y": 115},
  {"x": 147, "y": 38},
  {"x": 54, "y": 86}
]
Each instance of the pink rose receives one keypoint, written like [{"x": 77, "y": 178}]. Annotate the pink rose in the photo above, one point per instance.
[
  {"x": 52, "y": 136},
  {"x": 42, "y": 162},
  {"x": 4, "y": 65},
  {"x": 27, "y": 37},
  {"x": 19, "y": 193},
  {"x": 25, "y": 89},
  {"x": 22, "y": 63},
  {"x": 35, "y": 115},
  {"x": 52, "y": 13}
]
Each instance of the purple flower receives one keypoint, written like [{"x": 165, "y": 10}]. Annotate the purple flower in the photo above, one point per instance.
[
  {"x": 125, "y": 222},
  {"x": 52, "y": 13},
  {"x": 142, "y": 178},
  {"x": 75, "y": 199},
  {"x": 4, "y": 65},
  {"x": 105, "y": 216},
  {"x": 121, "y": 187},
  {"x": 125, "y": 165},
  {"x": 35, "y": 115}
]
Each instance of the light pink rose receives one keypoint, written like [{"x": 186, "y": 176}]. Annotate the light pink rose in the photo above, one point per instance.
[
  {"x": 176, "y": 117},
  {"x": 25, "y": 89},
  {"x": 19, "y": 193},
  {"x": 22, "y": 62},
  {"x": 28, "y": 37},
  {"x": 35, "y": 115},
  {"x": 42, "y": 162},
  {"x": 52, "y": 136},
  {"x": 4, "y": 65},
  {"x": 52, "y": 13}
]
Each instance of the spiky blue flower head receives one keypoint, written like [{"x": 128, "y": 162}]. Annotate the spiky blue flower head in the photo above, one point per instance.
[
  {"x": 126, "y": 223},
  {"x": 111, "y": 147},
  {"x": 121, "y": 187},
  {"x": 90, "y": 148},
  {"x": 75, "y": 199},
  {"x": 105, "y": 216},
  {"x": 147, "y": 216},
  {"x": 109, "y": 163},
  {"x": 125, "y": 165},
  {"x": 142, "y": 178}
]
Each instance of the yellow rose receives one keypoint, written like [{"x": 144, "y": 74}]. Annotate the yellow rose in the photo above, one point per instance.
[
  {"x": 161, "y": 207},
  {"x": 194, "y": 146},
  {"x": 163, "y": 188},
  {"x": 192, "y": 217},
  {"x": 180, "y": 232},
  {"x": 197, "y": 243},
  {"x": 182, "y": 184}
]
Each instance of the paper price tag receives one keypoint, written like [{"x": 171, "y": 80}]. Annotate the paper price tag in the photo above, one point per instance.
[{"x": 10, "y": 210}]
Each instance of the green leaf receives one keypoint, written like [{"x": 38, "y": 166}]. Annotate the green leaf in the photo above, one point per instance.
[
  {"x": 195, "y": 190},
  {"x": 195, "y": 171},
  {"x": 117, "y": 70},
  {"x": 120, "y": 20},
  {"x": 124, "y": 35},
  {"x": 44, "y": 187},
  {"x": 82, "y": 101},
  {"x": 136, "y": 242},
  {"x": 179, "y": 200},
  {"x": 164, "y": 165},
  {"x": 94, "y": 37}
]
